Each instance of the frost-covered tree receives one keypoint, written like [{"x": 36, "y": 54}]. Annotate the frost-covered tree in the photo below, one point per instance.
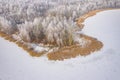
[{"x": 5, "y": 26}]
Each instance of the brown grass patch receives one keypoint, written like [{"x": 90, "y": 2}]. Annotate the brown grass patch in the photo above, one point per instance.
[
  {"x": 75, "y": 50},
  {"x": 30, "y": 51}
]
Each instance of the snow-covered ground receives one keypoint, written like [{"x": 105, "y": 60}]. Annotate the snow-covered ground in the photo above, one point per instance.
[{"x": 16, "y": 64}]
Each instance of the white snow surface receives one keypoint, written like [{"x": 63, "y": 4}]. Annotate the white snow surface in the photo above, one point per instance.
[{"x": 16, "y": 64}]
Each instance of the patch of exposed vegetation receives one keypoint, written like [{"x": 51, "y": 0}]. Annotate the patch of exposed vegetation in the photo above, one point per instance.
[{"x": 76, "y": 50}]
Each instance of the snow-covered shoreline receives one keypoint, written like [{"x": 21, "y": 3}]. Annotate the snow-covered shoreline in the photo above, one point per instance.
[
  {"x": 47, "y": 22},
  {"x": 15, "y": 64},
  {"x": 109, "y": 32}
]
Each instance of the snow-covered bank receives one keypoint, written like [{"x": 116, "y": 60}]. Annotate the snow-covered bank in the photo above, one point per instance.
[{"x": 15, "y": 64}]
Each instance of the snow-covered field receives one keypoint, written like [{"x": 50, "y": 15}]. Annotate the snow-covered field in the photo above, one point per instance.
[{"x": 16, "y": 64}]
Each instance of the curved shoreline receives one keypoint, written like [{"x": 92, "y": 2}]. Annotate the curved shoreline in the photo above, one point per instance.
[
  {"x": 34, "y": 54},
  {"x": 81, "y": 19}
]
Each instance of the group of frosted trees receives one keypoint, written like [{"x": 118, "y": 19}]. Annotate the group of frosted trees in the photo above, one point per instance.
[
  {"x": 47, "y": 21},
  {"x": 52, "y": 30}
]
